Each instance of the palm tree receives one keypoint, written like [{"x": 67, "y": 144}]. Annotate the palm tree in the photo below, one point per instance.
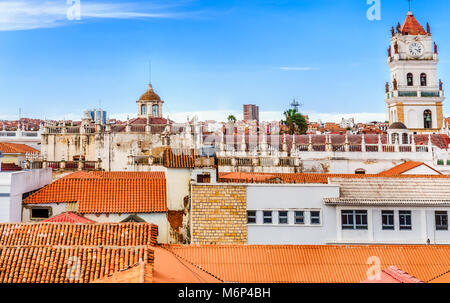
[
  {"x": 232, "y": 118},
  {"x": 295, "y": 121}
]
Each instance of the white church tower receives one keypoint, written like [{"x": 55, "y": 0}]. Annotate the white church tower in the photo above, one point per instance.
[{"x": 414, "y": 95}]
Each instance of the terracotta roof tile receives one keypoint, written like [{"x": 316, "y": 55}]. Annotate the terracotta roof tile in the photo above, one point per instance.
[
  {"x": 64, "y": 234},
  {"x": 180, "y": 159},
  {"x": 412, "y": 27},
  {"x": 68, "y": 217},
  {"x": 393, "y": 274},
  {"x": 13, "y": 148},
  {"x": 404, "y": 167},
  {"x": 58, "y": 264},
  {"x": 311, "y": 264},
  {"x": 139, "y": 273},
  {"x": 101, "y": 192}
]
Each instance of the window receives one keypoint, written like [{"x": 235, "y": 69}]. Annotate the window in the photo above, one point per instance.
[
  {"x": 315, "y": 217},
  {"x": 427, "y": 119},
  {"x": 267, "y": 217},
  {"x": 360, "y": 171},
  {"x": 410, "y": 79},
  {"x": 40, "y": 213},
  {"x": 155, "y": 110},
  {"x": 251, "y": 217},
  {"x": 354, "y": 219},
  {"x": 405, "y": 220},
  {"x": 143, "y": 109},
  {"x": 423, "y": 79},
  {"x": 387, "y": 218},
  {"x": 299, "y": 217},
  {"x": 405, "y": 138},
  {"x": 204, "y": 178},
  {"x": 395, "y": 138},
  {"x": 441, "y": 220},
  {"x": 133, "y": 218},
  {"x": 283, "y": 217}
]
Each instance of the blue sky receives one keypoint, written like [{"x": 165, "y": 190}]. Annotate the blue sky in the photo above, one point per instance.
[{"x": 208, "y": 57}]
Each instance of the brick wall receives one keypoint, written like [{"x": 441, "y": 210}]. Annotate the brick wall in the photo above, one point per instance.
[{"x": 219, "y": 214}]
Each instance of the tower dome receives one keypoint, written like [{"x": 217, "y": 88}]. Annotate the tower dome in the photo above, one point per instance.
[
  {"x": 150, "y": 104},
  {"x": 397, "y": 126},
  {"x": 150, "y": 95}
]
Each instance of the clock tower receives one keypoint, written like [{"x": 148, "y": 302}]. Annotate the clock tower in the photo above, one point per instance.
[{"x": 414, "y": 94}]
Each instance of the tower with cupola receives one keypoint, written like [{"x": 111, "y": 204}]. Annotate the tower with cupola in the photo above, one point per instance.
[
  {"x": 414, "y": 94},
  {"x": 150, "y": 104}
]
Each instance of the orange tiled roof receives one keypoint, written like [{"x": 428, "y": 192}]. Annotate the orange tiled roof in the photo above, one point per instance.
[
  {"x": 68, "y": 217},
  {"x": 444, "y": 278},
  {"x": 170, "y": 269},
  {"x": 183, "y": 159},
  {"x": 63, "y": 234},
  {"x": 140, "y": 273},
  {"x": 393, "y": 274},
  {"x": 51, "y": 264},
  {"x": 404, "y": 167},
  {"x": 13, "y": 148},
  {"x": 412, "y": 27},
  {"x": 303, "y": 178},
  {"x": 101, "y": 192},
  {"x": 311, "y": 264}
]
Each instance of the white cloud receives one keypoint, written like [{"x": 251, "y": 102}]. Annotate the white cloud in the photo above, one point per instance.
[
  {"x": 288, "y": 68},
  {"x": 32, "y": 14}
]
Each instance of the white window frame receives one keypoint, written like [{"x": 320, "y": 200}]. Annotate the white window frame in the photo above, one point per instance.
[
  {"x": 264, "y": 217},
  {"x": 353, "y": 213},
  {"x": 441, "y": 213},
  {"x": 407, "y": 213},
  {"x": 284, "y": 217},
  {"x": 388, "y": 227},
  {"x": 307, "y": 222},
  {"x": 255, "y": 217},
  {"x": 302, "y": 216}
]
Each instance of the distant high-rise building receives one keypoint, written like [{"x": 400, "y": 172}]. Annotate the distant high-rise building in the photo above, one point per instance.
[
  {"x": 251, "y": 112},
  {"x": 98, "y": 116}
]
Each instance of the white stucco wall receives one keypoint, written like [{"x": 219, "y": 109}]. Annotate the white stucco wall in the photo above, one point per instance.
[
  {"x": 13, "y": 185},
  {"x": 291, "y": 198},
  {"x": 178, "y": 184},
  {"x": 423, "y": 227}
]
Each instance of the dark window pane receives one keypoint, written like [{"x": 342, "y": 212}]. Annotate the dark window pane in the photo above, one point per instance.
[
  {"x": 283, "y": 217},
  {"x": 267, "y": 217},
  {"x": 251, "y": 217},
  {"x": 40, "y": 213},
  {"x": 299, "y": 217}
]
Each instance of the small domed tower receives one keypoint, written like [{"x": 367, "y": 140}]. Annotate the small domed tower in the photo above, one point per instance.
[
  {"x": 150, "y": 104},
  {"x": 398, "y": 133}
]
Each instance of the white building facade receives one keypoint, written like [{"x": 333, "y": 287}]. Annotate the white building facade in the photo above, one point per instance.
[
  {"x": 14, "y": 186},
  {"x": 350, "y": 211}
]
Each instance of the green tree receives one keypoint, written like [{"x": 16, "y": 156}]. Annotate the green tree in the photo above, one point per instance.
[
  {"x": 295, "y": 121},
  {"x": 232, "y": 119}
]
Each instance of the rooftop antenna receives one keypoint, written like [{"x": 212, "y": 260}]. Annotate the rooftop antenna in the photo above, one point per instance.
[
  {"x": 295, "y": 105},
  {"x": 409, "y": 4}
]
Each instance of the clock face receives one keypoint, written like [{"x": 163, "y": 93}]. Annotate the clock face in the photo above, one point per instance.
[{"x": 416, "y": 49}]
